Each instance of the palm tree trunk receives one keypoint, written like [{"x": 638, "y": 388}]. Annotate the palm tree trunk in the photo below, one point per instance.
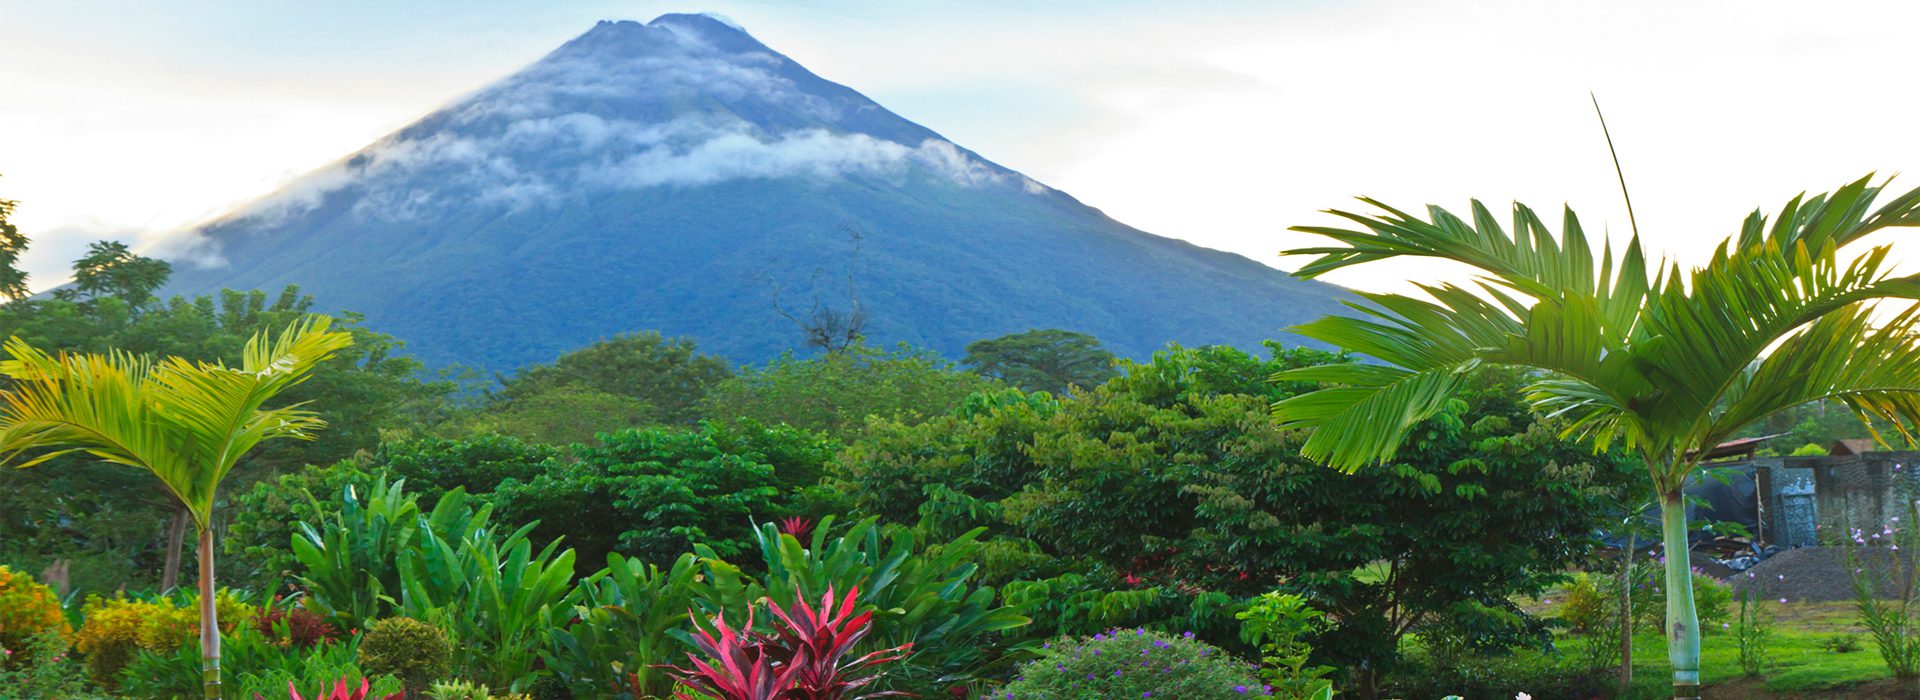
[
  {"x": 209, "y": 619},
  {"x": 176, "y": 541},
  {"x": 1626, "y": 608},
  {"x": 1683, "y": 623}
]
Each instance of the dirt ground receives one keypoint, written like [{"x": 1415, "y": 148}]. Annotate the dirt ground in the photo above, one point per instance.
[{"x": 1817, "y": 574}]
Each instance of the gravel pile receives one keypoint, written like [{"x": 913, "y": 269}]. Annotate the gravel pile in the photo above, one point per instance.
[{"x": 1816, "y": 574}]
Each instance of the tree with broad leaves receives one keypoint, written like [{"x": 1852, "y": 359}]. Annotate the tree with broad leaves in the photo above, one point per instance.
[
  {"x": 13, "y": 282},
  {"x": 1050, "y": 360}
]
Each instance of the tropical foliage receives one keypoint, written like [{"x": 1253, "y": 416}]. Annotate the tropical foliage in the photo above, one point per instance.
[
  {"x": 187, "y": 423},
  {"x": 1661, "y": 362}
]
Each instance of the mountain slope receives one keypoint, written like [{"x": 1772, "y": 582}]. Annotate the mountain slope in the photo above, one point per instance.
[{"x": 679, "y": 175}]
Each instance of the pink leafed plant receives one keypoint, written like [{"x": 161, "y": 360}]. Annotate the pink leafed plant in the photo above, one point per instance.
[
  {"x": 338, "y": 692},
  {"x": 806, "y": 658},
  {"x": 819, "y": 642},
  {"x": 799, "y": 528}
]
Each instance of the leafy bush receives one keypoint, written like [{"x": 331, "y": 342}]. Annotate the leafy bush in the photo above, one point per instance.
[
  {"x": 462, "y": 690},
  {"x": 1133, "y": 663},
  {"x": 413, "y": 651},
  {"x": 253, "y": 663},
  {"x": 486, "y": 586},
  {"x": 1505, "y": 675},
  {"x": 41, "y": 669},
  {"x": 296, "y": 628},
  {"x": 268, "y": 514},
  {"x": 29, "y": 611},
  {"x": 625, "y": 624},
  {"x": 1588, "y": 603},
  {"x": 350, "y": 555},
  {"x": 1842, "y": 643},
  {"x": 1279, "y": 625},
  {"x": 431, "y": 466},
  {"x": 314, "y": 668},
  {"x": 116, "y": 630},
  {"x": 1712, "y": 599},
  {"x": 162, "y": 675},
  {"x": 110, "y": 636}
]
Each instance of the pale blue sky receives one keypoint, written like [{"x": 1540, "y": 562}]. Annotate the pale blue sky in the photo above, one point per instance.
[{"x": 1220, "y": 122}]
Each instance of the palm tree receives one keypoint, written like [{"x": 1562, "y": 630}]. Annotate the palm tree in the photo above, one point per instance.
[
  {"x": 187, "y": 422},
  {"x": 1661, "y": 363}
]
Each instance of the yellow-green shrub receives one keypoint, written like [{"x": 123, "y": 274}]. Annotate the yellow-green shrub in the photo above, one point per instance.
[
  {"x": 464, "y": 690},
  {"x": 115, "y": 629},
  {"x": 415, "y": 652},
  {"x": 1588, "y": 602},
  {"x": 111, "y": 634},
  {"x": 28, "y": 609}
]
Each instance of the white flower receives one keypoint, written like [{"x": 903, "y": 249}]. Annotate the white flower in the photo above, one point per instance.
[{"x": 1522, "y": 696}]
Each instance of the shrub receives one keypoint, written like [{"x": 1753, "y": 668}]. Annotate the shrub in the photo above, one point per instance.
[
  {"x": 462, "y": 690},
  {"x": 111, "y": 635},
  {"x": 167, "y": 675},
  {"x": 41, "y": 669},
  {"x": 1842, "y": 643},
  {"x": 1588, "y": 603},
  {"x": 413, "y": 651},
  {"x": 485, "y": 585},
  {"x": 1134, "y": 663},
  {"x": 116, "y": 629},
  {"x": 28, "y": 611},
  {"x": 1712, "y": 599},
  {"x": 297, "y": 628},
  {"x": 1279, "y": 624},
  {"x": 265, "y": 516},
  {"x": 259, "y": 670},
  {"x": 625, "y": 626},
  {"x": 1525, "y": 670}
]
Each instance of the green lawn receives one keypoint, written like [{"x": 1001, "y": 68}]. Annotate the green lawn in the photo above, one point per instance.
[{"x": 1800, "y": 663}]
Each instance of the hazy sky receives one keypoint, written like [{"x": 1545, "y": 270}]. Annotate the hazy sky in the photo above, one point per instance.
[{"x": 1219, "y": 122}]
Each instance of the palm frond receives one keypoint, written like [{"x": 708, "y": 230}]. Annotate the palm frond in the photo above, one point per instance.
[
  {"x": 92, "y": 404},
  {"x": 223, "y": 406},
  {"x": 1626, "y": 356},
  {"x": 1843, "y": 357}
]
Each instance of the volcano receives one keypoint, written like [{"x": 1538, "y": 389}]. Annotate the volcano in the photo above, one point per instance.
[{"x": 680, "y": 176}]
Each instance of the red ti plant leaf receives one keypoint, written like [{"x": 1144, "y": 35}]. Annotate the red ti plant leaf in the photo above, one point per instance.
[
  {"x": 799, "y": 528},
  {"x": 817, "y": 643},
  {"x": 739, "y": 665},
  {"x": 338, "y": 692},
  {"x": 806, "y": 659}
]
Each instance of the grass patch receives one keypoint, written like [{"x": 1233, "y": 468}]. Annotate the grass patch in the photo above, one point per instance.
[{"x": 1801, "y": 662}]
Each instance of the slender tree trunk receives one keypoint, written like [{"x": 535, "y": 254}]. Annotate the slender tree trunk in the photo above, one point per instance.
[
  {"x": 209, "y": 619},
  {"x": 1626, "y": 611},
  {"x": 1683, "y": 623},
  {"x": 176, "y": 541}
]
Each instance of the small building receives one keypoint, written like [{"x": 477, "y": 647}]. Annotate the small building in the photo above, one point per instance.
[{"x": 1794, "y": 501}]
